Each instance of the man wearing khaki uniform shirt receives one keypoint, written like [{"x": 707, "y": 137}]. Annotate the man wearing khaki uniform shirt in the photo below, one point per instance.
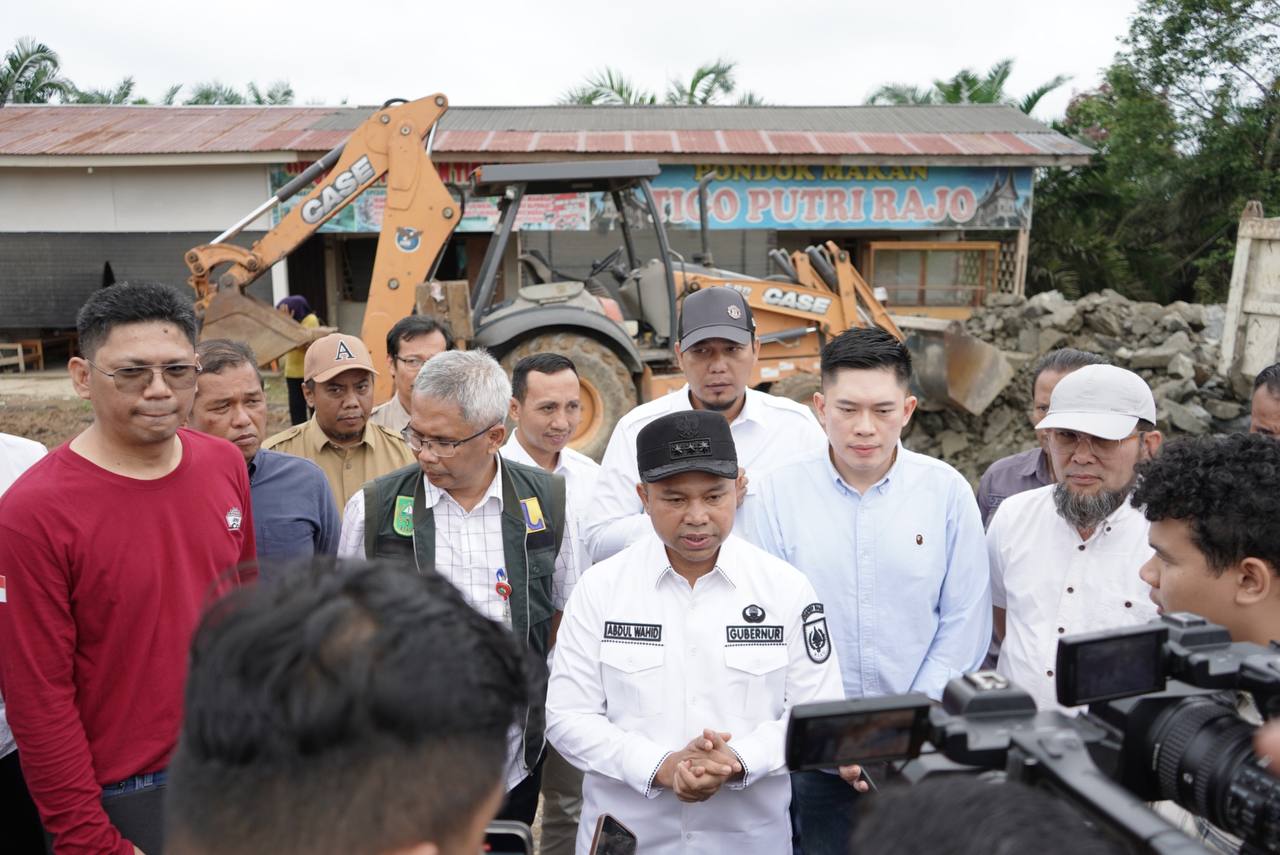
[{"x": 338, "y": 383}]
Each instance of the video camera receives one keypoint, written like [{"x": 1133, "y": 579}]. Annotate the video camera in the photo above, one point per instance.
[{"x": 1161, "y": 725}]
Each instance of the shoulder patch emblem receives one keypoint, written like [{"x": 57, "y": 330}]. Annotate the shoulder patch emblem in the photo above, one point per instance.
[
  {"x": 402, "y": 520},
  {"x": 533, "y": 519},
  {"x": 233, "y": 519},
  {"x": 817, "y": 638}
]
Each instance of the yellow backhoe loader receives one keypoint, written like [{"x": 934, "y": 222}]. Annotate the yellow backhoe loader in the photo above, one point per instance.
[{"x": 617, "y": 322}]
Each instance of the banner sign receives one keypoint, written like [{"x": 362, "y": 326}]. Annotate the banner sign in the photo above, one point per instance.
[{"x": 758, "y": 196}]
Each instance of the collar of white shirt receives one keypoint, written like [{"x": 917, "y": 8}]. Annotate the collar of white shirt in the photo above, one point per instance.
[
  {"x": 752, "y": 407},
  {"x": 515, "y": 451},
  {"x": 657, "y": 563},
  {"x": 433, "y": 495}
]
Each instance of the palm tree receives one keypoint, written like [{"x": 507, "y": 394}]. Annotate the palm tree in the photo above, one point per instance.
[
  {"x": 608, "y": 86},
  {"x": 967, "y": 87},
  {"x": 213, "y": 92},
  {"x": 29, "y": 74},
  {"x": 119, "y": 95},
  {"x": 279, "y": 92},
  {"x": 709, "y": 83}
]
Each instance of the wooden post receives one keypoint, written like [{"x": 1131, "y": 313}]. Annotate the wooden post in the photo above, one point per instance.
[{"x": 1020, "y": 263}]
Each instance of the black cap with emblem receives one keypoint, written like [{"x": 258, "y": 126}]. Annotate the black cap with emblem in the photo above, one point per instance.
[
  {"x": 693, "y": 441},
  {"x": 716, "y": 312}
]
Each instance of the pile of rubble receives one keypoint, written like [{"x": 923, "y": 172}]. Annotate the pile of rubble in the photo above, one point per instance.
[{"x": 1174, "y": 347}]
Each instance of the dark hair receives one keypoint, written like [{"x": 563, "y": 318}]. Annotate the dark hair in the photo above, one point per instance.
[
  {"x": 1063, "y": 361},
  {"x": 1224, "y": 488},
  {"x": 132, "y": 303},
  {"x": 976, "y": 817},
  {"x": 1269, "y": 377},
  {"x": 298, "y": 306},
  {"x": 343, "y": 707},
  {"x": 409, "y": 328},
  {"x": 866, "y": 348},
  {"x": 218, "y": 354},
  {"x": 543, "y": 363}
]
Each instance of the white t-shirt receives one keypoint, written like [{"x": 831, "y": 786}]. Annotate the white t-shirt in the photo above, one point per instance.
[
  {"x": 16, "y": 456},
  {"x": 1051, "y": 583}
]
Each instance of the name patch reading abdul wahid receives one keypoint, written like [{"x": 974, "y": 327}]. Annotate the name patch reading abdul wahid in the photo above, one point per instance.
[{"x": 643, "y": 633}]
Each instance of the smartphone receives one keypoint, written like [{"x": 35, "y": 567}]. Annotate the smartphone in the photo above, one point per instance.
[
  {"x": 504, "y": 837},
  {"x": 838, "y": 733},
  {"x": 612, "y": 838}
]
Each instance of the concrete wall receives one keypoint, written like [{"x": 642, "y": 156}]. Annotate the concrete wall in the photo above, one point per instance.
[
  {"x": 119, "y": 199},
  {"x": 45, "y": 277}
]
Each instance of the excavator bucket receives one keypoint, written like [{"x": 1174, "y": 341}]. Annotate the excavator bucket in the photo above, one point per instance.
[
  {"x": 953, "y": 367},
  {"x": 239, "y": 317}
]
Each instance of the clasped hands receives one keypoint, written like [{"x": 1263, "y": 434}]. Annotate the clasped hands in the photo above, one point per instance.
[{"x": 696, "y": 772}]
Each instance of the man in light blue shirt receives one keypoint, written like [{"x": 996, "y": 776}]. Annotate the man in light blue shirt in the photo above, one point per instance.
[{"x": 893, "y": 543}]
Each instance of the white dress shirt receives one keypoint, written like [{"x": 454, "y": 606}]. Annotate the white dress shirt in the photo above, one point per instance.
[
  {"x": 17, "y": 454},
  {"x": 469, "y": 553},
  {"x": 769, "y": 432},
  {"x": 579, "y": 473},
  {"x": 644, "y": 662},
  {"x": 1052, "y": 583}
]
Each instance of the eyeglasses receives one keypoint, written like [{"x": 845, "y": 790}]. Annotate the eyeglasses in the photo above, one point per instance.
[
  {"x": 414, "y": 362},
  {"x": 1064, "y": 441},
  {"x": 136, "y": 378},
  {"x": 439, "y": 447}
]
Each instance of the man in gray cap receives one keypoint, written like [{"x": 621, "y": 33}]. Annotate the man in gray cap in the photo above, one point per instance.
[
  {"x": 1064, "y": 557},
  {"x": 717, "y": 350},
  {"x": 679, "y": 658}
]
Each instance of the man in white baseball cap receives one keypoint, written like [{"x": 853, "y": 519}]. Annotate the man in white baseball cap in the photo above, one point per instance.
[{"x": 1064, "y": 558}]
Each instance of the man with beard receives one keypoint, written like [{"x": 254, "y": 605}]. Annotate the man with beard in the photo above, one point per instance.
[
  {"x": 716, "y": 350},
  {"x": 1063, "y": 556}
]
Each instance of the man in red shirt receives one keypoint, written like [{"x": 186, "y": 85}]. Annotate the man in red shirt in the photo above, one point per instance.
[{"x": 113, "y": 544}]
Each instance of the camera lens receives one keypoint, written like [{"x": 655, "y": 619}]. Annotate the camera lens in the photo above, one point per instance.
[{"x": 1202, "y": 752}]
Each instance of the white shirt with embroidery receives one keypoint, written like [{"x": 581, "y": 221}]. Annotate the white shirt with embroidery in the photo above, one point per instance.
[
  {"x": 644, "y": 662},
  {"x": 1052, "y": 583}
]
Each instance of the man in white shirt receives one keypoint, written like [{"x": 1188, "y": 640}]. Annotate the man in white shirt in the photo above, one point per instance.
[
  {"x": 23, "y": 832},
  {"x": 680, "y": 657},
  {"x": 717, "y": 350},
  {"x": 494, "y": 528},
  {"x": 1064, "y": 557},
  {"x": 546, "y": 409}
]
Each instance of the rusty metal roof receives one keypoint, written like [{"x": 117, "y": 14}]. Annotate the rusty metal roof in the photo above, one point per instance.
[{"x": 957, "y": 131}]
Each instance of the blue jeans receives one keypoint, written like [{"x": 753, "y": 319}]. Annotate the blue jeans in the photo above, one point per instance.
[
  {"x": 135, "y": 807},
  {"x": 823, "y": 809}
]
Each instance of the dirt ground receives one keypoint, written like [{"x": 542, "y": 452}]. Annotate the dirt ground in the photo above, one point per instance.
[{"x": 42, "y": 405}]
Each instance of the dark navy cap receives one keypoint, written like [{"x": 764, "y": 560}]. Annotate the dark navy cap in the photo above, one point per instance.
[
  {"x": 693, "y": 441},
  {"x": 715, "y": 312}
]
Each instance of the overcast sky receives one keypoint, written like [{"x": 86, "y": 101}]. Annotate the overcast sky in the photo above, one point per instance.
[{"x": 530, "y": 51}]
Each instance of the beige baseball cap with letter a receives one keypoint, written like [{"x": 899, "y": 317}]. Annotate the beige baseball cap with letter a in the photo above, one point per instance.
[
  {"x": 330, "y": 356},
  {"x": 1105, "y": 401}
]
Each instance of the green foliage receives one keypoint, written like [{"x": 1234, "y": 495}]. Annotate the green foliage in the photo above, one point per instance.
[
  {"x": 121, "y": 94},
  {"x": 711, "y": 83},
  {"x": 967, "y": 87},
  {"x": 1185, "y": 125},
  {"x": 29, "y": 74}
]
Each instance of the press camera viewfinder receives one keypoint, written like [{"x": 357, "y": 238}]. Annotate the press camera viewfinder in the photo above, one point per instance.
[
  {"x": 837, "y": 733},
  {"x": 504, "y": 837},
  {"x": 1113, "y": 663}
]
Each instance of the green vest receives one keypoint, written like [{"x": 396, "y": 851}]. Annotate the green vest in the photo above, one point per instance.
[{"x": 399, "y": 526}]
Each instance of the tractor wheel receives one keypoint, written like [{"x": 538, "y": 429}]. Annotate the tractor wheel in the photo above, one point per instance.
[
  {"x": 608, "y": 391},
  {"x": 798, "y": 387}
]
